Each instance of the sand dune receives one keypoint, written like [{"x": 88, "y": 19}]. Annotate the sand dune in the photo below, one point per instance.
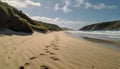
[{"x": 55, "y": 51}]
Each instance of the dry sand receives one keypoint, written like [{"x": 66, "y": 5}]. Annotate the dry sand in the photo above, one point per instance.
[{"x": 55, "y": 51}]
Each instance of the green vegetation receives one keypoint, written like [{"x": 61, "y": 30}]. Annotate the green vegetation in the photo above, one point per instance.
[
  {"x": 16, "y": 20},
  {"x": 41, "y": 26},
  {"x": 113, "y": 25},
  {"x": 4, "y": 9}
]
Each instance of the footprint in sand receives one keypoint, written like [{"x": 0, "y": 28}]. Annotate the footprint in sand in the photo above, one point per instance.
[
  {"x": 54, "y": 58},
  {"x": 52, "y": 44},
  {"x": 42, "y": 54},
  {"x": 27, "y": 64},
  {"x": 9, "y": 57},
  {"x": 53, "y": 41},
  {"x": 21, "y": 67},
  {"x": 11, "y": 53},
  {"x": 43, "y": 67},
  {"x": 32, "y": 58},
  {"x": 92, "y": 66},
  {"x": 55, "y": 48},
  {"x": 47, "y": 46},
  {"x": 46, "y": 49},
  {"x": 50, "y": 53}
]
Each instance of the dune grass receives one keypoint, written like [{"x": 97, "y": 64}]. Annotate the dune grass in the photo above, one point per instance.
[{"x": 12, "y": 13}]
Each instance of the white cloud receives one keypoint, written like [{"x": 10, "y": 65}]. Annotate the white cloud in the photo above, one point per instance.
[
  {"x": 99, "y": 6},
  {"x": 61, "y": 22},
  {"x": 103, "y": 6},
  {"x": 56, "y": 8},
  {"x": 79, "y": 3},
  {"x": 88, "y": 5},
  {"x": 69, "y": 4},
  {"x": 23, "y": 3},
  {"x": 66, "y": 7}
]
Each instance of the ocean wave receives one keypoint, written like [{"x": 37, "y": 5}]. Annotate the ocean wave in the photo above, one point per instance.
[{"x": 107, "y": 35}]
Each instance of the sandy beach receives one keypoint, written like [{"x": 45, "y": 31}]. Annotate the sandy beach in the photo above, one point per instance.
[{"x": 55, "y": 50}]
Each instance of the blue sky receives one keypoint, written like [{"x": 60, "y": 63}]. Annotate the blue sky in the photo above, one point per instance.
[{"x": 69, "y": 13}]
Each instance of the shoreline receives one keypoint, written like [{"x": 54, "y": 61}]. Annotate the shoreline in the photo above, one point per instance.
[
  {"x": 55, "y": 50},
  {"x": 106, "y": 43}
]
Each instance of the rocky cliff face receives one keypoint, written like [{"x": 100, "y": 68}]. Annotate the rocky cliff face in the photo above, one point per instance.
[
  {"x": 114, "y": 25},
  {"x": 13, "y": 19}
]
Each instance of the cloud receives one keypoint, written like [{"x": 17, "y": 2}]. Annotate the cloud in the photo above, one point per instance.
[
  {"x": 70, "y": 4},
  {"x": 65, "y": 8},
  {"x": 61, "y": 22},
  {"x": 23, "y": 3},
  {"x": 89, "y": 5},
  {"x": 99, "y": 6},
  {"x": 79, "y": 3},
  {"x": 56, "y": 8}
]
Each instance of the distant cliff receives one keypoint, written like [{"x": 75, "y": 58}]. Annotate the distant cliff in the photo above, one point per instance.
[
  {"x": 113, "y": 25},
  {"x": 14, "y": 19}
]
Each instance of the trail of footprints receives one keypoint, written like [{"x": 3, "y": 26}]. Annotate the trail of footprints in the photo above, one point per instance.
[
  {"x": 48, "y": 53},
  {"x": 9, "y": 49}
]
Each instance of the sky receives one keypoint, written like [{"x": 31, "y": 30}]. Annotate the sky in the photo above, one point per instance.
[{"x": 69, "y": 13}]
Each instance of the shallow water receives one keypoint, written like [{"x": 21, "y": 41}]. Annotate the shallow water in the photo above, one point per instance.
[{"x": 106, "y": 38}]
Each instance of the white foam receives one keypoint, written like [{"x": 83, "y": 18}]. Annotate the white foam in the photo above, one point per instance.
[{"x": 99, "y": 34}]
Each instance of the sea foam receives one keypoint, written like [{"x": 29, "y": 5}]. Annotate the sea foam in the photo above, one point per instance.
[{"x": 106, "y": 35}]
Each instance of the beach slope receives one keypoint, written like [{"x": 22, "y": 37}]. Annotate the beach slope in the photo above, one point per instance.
[{"x": 55, "y": 50}]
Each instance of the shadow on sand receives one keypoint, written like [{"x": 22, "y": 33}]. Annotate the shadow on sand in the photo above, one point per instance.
[{"x": 10, "y": 33}]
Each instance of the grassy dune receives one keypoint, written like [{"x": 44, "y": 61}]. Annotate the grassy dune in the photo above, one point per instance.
[{"x": 16, "y": 20}]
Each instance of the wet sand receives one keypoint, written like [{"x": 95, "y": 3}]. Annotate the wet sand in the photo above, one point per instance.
[{"x": 55, "y": 50}]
